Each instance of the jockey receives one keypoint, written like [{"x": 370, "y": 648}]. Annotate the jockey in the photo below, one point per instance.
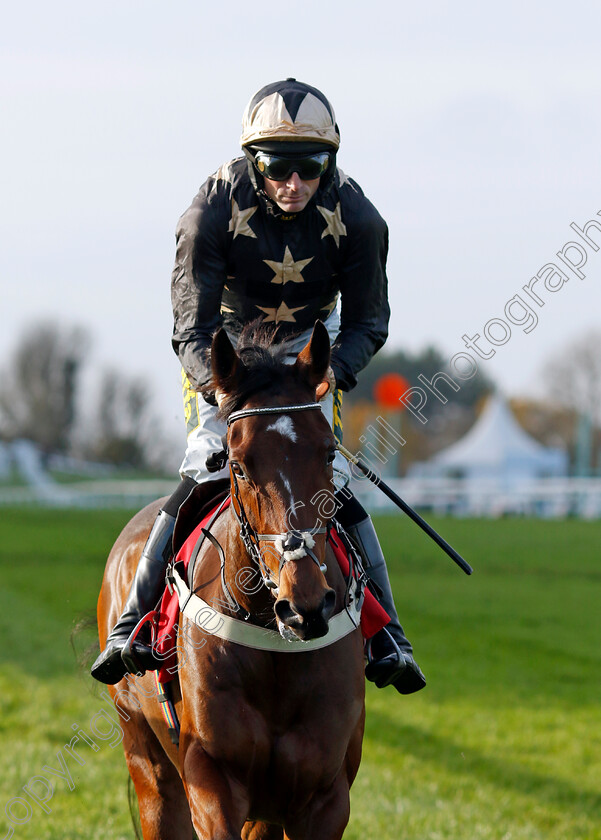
[{"x": 284, "y": 235}]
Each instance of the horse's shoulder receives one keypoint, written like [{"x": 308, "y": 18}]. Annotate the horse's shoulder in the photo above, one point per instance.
[
  {"x": 136, "y": 531},
  {"x": 211, "y": 553}
]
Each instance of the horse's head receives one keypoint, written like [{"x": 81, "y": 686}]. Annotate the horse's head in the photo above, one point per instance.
[{"x": 281, "y": 450}]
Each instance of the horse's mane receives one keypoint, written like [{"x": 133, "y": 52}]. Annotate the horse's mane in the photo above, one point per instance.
[{"x": 264, "y": 366}]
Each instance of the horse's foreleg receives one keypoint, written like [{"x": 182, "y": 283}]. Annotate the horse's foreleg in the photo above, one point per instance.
[
  {"x": 164, "y": 812},
  {"x": 218, "y": 810},
  {"x": 327, "y": 816},
  {"x": 262, "y": 831}
]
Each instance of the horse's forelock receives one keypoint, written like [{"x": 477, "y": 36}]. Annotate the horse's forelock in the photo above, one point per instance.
[
  {"x": 259, "y": 335},
  {"x": 264, "y": 366}
]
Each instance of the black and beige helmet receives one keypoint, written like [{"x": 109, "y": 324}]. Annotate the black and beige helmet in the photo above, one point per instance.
[{"x": 289, "y": 112}]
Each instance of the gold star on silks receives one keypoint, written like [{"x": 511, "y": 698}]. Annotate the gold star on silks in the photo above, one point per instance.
[
  {"x": 225, "y": 173},
  {"x": 282, "y": 313},
  {"x": 240, "y": 219},
  {"x": 344, "y": 178},
  {"x": 288, "y": 271},
  {"x": 327, "y": 310},
  {"x": 336, "y": 226}
]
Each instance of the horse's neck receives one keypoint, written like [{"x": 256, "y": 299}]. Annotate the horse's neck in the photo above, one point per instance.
[{"x": 243, "y": 577}]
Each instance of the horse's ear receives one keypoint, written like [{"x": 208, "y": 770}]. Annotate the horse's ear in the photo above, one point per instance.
[
  {"x": 313, "y": 360},
  {"x": 225, "y": 362}
]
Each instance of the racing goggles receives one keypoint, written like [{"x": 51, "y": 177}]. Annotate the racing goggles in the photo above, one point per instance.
[{"x": 278, "y": 168}]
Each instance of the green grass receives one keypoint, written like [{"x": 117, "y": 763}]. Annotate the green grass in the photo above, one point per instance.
[{"x": 504, "y": 743}]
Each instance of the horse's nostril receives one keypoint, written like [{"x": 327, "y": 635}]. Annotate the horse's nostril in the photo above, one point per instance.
[
  {"x": 283, "y": 610},
  {"x": 329, "y": 602},
  {"x": 307, "y": 623}
]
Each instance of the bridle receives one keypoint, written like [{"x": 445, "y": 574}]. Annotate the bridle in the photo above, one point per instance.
[{"x": 293, "y": 544}]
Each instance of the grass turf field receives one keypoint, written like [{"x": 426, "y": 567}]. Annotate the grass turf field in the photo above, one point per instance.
[{"x": 503, "y": 744}]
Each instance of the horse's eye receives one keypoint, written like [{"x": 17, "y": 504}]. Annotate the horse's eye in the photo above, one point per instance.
[
  {"x": 331, "y": 455},
  {"x": 237, "y": 469}
]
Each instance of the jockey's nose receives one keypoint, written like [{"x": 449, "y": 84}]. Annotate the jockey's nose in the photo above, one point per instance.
[{"x": 294, "y": 181}]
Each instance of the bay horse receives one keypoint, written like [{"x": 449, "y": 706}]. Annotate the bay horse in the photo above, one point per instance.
[{"x": 270, "y": 742}]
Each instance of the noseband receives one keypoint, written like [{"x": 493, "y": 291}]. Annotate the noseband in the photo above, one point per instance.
[{"x": 293, "y": 544}]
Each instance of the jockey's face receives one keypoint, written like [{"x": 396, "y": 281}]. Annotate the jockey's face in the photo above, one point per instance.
[{"x": 293, "y": 194}]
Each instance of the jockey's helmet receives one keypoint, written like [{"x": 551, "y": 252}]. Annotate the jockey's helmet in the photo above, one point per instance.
[{"x": 290, "y": 112}]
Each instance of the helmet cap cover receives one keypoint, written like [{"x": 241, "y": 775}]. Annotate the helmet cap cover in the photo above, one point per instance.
[{"x": 289, "y": 112}]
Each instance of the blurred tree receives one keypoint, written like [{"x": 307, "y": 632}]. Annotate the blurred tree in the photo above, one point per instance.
[
  {"x": 39, "y": 389},
  {"x": 573, "y": 379},
  {"x": 446, "y": 421},
  {"x": 125, "y": 432},
  {"x": 573, "y": 375},
  {"x": 40, "y": 400},
  {"x": 548, "y": 422},
  {"x": 428, "y": 362}
]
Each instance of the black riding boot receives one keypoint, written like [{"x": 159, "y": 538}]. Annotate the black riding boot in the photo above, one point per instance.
[
  {"x": 389, "y": 652},
  {"x": 145, "y": 591}
]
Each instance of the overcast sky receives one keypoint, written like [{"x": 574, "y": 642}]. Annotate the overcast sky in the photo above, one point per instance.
[{"x": 475, "y": 129}]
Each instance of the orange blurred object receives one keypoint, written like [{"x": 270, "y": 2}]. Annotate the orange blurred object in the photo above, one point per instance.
[{"x": 388, "y": 390}]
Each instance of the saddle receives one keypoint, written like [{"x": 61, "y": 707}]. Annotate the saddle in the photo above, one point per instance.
[{"x": 201, "y": 501}]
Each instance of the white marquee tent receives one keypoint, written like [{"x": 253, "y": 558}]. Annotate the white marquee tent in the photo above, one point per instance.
[{"x": 496, "y": 449}]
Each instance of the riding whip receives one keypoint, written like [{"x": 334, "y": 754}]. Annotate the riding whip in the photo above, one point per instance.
[{"x": 442, "y": 543}]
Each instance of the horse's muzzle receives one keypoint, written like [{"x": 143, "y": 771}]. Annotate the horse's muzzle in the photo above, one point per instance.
[{"x": 306, "y": 623}]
